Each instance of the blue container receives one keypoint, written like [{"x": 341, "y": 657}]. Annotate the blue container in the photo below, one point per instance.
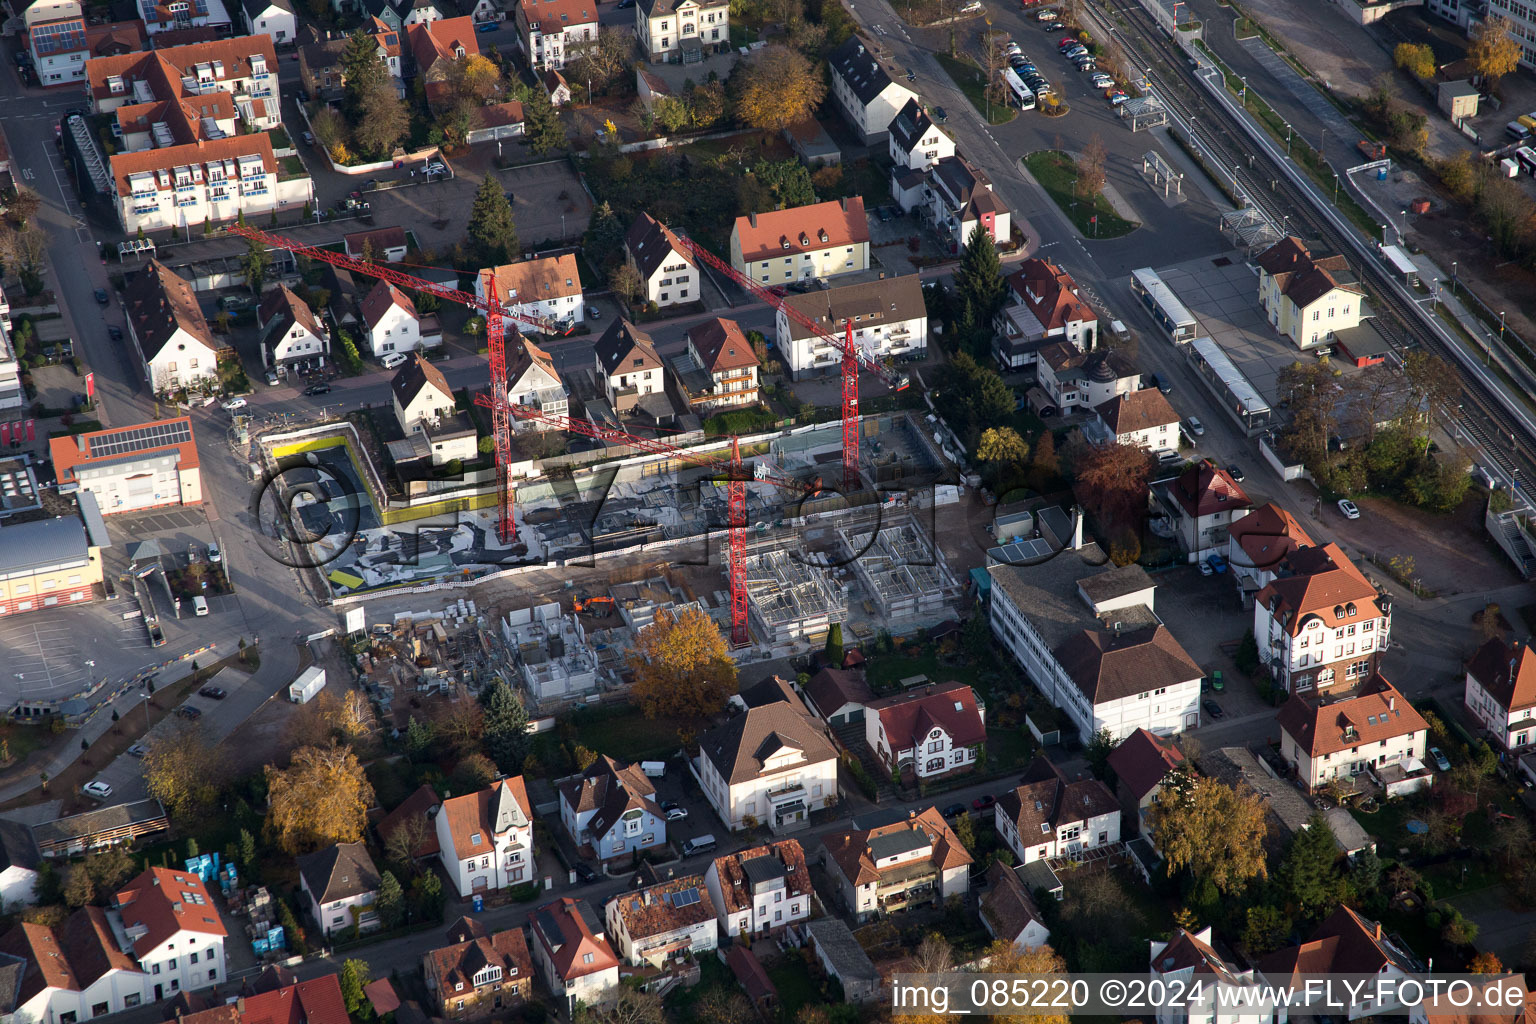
[
  {"x": 1381, "y": 174},
  {"x": 479, "y": 903}
]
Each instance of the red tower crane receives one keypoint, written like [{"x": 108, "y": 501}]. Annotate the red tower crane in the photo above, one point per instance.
[
  {"x": 852, "y": 357},
  {"x": 506, "y": 526}
]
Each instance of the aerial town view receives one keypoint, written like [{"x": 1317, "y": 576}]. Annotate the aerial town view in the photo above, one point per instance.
[{"x": 767, "y": 511}]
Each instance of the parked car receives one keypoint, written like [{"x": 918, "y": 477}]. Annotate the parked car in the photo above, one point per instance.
[
  {"x": 954, "y": 810},
  {"x": 939, "y": 115},
  {"x": 674, "y": 811},
  {"x": 434, "y": 167},
  {"x": 593, "y": 313},
  {"x": 272, "y": 379},
  {"x": 1054, "y": 26},
  {"x": 1213, "y": 709},
  {"x": 102, "y": 297},
  {"x": 1194, "y": 426},
  {"x": 1102, "y": 81},
  {"x": 214, "y": 555},
  {"x": 1162, "y": 383},
  {"x": 199, "y": 605},
  {"x": 1117, "y": 97},
  {"x": 1216, "y": 562},
  {"x": 309, "y": 139},
  {"x": 1349, "y": 509},
  {"x": 984, "y": 803},
  {"x": 321, "y": 388},
  {"x": 233, "y": 404},
  {"x": 585, "y": 874},
  {"x": 23, "y": 58},
  {"x": 487, "y": 26},
  {"x": 911, "y": 75},
  {"x": 214, "y": 692},
  {"x": 393, "y": 360},
  {"x": 189, "y": 712},
  {"x": 1047, "y": 15},
  {"x": 1236, "y": 473},
  {"x": 1086, "y": 65},
  {"x": 99, "y": 790},
  {"x": 1206, "y": 569},
  {"x": 138, "y": 750},
  {"x": 1014, "y": 48},
  {"x": 1441, "y": 761}
]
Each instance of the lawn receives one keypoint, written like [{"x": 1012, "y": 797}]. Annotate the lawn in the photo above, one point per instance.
[
  {"x": 1009, "y": 748},
  {"x": 886, "y": 671},
  {"x": 968, "y": 77},
  {"x": 1057, "y": 174},
  {"x": 626, "y": 734},
  {"x": 795, "y": 984}
]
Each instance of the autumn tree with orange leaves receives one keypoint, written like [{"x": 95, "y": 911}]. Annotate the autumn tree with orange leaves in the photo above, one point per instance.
[
  {"x": 321, "y": 799},
  {"x": 682, "y": 666}
]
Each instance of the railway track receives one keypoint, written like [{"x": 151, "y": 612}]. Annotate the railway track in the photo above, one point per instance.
[{"x": 1481, "y": 416}]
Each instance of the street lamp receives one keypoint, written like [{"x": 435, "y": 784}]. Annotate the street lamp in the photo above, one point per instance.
[
  {"x": 1244, "y": 96},
  {"x": 1453, "y": 279},
  {"x": 1404, "y": 229},
  {"x": 1287, "y": 140},
  {"x": 1335, "y": 188}
]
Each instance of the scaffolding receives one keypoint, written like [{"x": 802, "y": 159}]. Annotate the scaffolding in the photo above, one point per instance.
[
  {"x": 903, "y": 571},
  {"x": 789, "y": 599}
]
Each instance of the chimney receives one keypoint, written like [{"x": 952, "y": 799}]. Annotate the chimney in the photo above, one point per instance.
[
  {"x": 1391, "y": 703},
  {"x": 1077, "y": 528},
  {"x": 1378, "y": 929},
  {"x": 240, "y": 1005},
  {"x": 882, "y": 275}
]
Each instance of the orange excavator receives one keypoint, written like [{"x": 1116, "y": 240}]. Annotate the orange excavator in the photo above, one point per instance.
[{"x": 602, "y": 606}]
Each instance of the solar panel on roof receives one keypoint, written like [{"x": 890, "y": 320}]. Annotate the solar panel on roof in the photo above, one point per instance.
[
  {"x": 138, "y": 439},
  {"x": 685, "y": 897}
]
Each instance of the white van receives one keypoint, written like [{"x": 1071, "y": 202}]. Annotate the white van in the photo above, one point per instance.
[
  {"x": 654, "y": 769},
  {"x": 699, "y": 844}
]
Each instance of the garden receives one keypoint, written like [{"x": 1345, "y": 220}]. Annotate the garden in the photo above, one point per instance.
[{"x": 1076, "y": 186}]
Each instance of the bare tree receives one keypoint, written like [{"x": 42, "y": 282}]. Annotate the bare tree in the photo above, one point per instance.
[
  {"x": 1090, "y": 167},
  {"x": 994, "y": 58}
]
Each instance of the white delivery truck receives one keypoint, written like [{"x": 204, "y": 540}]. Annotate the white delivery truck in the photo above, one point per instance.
[{"x": 304, "y": 688}]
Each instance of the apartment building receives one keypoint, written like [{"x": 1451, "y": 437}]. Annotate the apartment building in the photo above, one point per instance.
[
  {"x": 669, "y": 921},
  {"x": 130, "y": 469},
  {"x": 485, "y": 839},
  {"x": 1375, "y": 731},
  {"x": 180, "y": 15},
  {"x": 961, "y": 200},
  {"x": 1501, "y": 692},
  {"x": 61, "y": 41},
  {"x": 727, "y": 362},
  {"x": 667, "y": 270},
  {"x": 681, "y": 30},
  {"x": 547, "y": 288},
  {"x": 1048, "y": 816},
  {"x": 166, "y": 323},
  {"x": 172, "y": 929},
  {"x": 933, "y": 732},
  {"x": 863, "y": 90},
  {"x": 1520, "y": 14},
  {"x": 185, "y": 94},
  {"x": 818, "y": 241},
  {"x": 896, "y": 859},
  {"x": 1043, "y": 306},
  {"x": 915, "y": 144},
  {"x": 549, "y": 30},
  {"x": 889, "y": 318},
  {"x": 760, "y": 890},
  {"x": 208, "y": 181},
  {"x": 1308, "y": 298},
  {"x": 1320, "y": 623}
]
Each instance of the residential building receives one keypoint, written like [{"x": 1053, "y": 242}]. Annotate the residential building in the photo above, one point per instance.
[
  {"x": 167, "y": 324},
  {"x": 842, "y": 958},
  {"x": 1306, "y": 298},
  {"x": 1143, "y": 418},
  {"x": 1522, "y": 22},
  {"x": 627, "y": 365},
  {"x": 12, "y": 394},
  {"x": 770, "y": 765},
  {"x": 1202, "y": 503},
  {"x": 1320, "y": 623},
  {"x": 420, "y": 394},
  {"x": 48, "y": 562},
  {"x": 320, "y": 69},
  {"x": 435, "y": 44},
  {"x": 485, "y": 839},
  {"x": 916, "y": 143},
  {"x": 682, "y": 30},
  {"x": 342, "y": 884},
  {"x": 177, "y": 19},
  {"x": 838, "y": 696},
  {"x": 932, "y": 732},
  {"x": 727, "y": 363},
  {"x": 19, "y": 863},
  {"x": 961, "y": 200},
  {"x": 1008, "y": 910},
  {"x": 274, "y": 996},
  {"x": 208, "y": 180},
  {"x": 478, "y": 975},
  {"x": 889, "y": 318},
  {"x": 182, "y": 95},
  {"x": 391, "y": 323},
  {"x": 273, "y": 18},
  {"x": 387, "y": 244},
  {"x": 549, "y": 30},
  {"x": 291, "y": 335},
  {"x": 611, "y": 811},
  {"x": 533, "y": 381},
  {"x": 416, "y": 813},
  {"x": 1143, "y": 763},
  {"x": 896, "y": 859},
  {"x": 72, "y": 972},
  {"x": 671, "y": 920},
  {"x": 1345, "y": 943},
  {"x": 864, "y": 92},
  {"x": 173, "y": 931},
  {"x": 1373, "y": 731},
  {"x": 1048, "y": 817},
  {"x": 1075, "y": 381},
  {"x": 1501, "y": 692},
  {"x": 668, "y": 271},
  {"x": 760, "y": 890},
  {"x": 1189, "y": 962},
  {"x": 1088, "y": 637},
  {"x": 572, "y": 952},
  {"x": 556, "y": 86},
  {"x": 61, "y": 41},
  {"x": 1043, "y": 306},
  {"x": 818, "y": 241},
  {"x": 130, "y": 469},
  {"x": 547, "y": 288},
  {"x": 1258, "y": 545}
]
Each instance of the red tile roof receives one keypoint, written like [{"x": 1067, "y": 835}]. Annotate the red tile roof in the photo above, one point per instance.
[
  {"x": 1507, "y": 673},
  {"x": 850, "y": 850},
  {"x": 1378, "y": 713},
  {"x": 318, "y": 1001},
  {"x": 1050, "y": 293},
  {"x": 200, "y": 153},
  {"x": 1205, "y": 489},
  {"x": 650, "y": 911},
  {"x": 1324, "y": 584},
  {"x": 908, "y": 718},
  {"x": 566, "y": 928},
  {"x": 551, "y": 16},
  {"x": 1046, "y": 797},
  {"x": 1143, "y": 759},
  {"x": 749, "y": 972},
  {"x": 455, "y": 965},
  {"x": 1345, "y": 943},
  {"x": 1302, "y": 277},
  {"x": 721, "y": 345},
  {"x": 477, "y": 814},
  {"x": 414, "y": 807},
  {"x": 383, "y": 239},
  {"x": 378, "y": 301},
  {"x": 802, "y": 229},
  {"x": 736, "y": 890},
  {"x": 164, "y": 903},
  {"x": 69, "y": 452},
  {"x": 441, "y": 40},
  {"x": 550, "y": 277},
  {"x": 164, "y": 69},
  {"x": 1139, "y": 410},
  {"x": 1268, "y": 535}
]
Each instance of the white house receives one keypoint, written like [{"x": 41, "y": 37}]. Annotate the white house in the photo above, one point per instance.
[
  {"x": 818, "y": 241},
  {"x": 1306, "y": 298},
  {"x": 571, "y": 951},
  {"x": 895, "y": 859},
  {"x": 61, "y": 41},
  {"x": 1008, "y": 910},
  {"x": 933, "y": 732},
  {"x": 420, "y": 394},
  {"x": 1143, "y": 418},
  {"x": 1203, "y": 503},
  {"x": 291, "y": 334},
  {"x": 1043, "y": 306},
  {"x": 485, "y": 839},
  {"x": 273, "y": 18},
  {"x": 19, "y": 860},
  {"x": 916, "y": 143},
  {"x": 547, "y": 288},
  {"x": 167, "y": 325},
  {"x": 1321, "y": 623},
  {"x": 1375, "y": 731},
  {"x": 961, "y": 199},
  {"x": 391, "y": 323},
  {"x": 1088, "y": 638},
  {"x": 1345, "y": 943},
  {"x": 667, "y": 269},
  {"x": 889, "y": 318},
  {"x": 342, "y": 884},
  {"x": 1190, "y": 962},
  {"x": 666, "y": 921},
  {"x": 549, "y": 30},
  {"x": 533, "y": 381},
  {"x": 669, "y": 29},
  {"x": 1078, "y": 381},
  {"x": 864, "y": 92},
  {"x": 1501, "y": 692},
  {"x": 611, "y": 811},
  {"x": 1258, "y": 545},
  {"x": 727, "y": 361},
  {"x": 770, "y": 765},
  {"x": 1047, "y": 816},
  {"x": 627, "y": 366},
  {"x": 71, "y": 971},
  {"x": 173, "y": 930},
  {"x": 215, "y": 179},
  {"x": 760, "y": 890}
]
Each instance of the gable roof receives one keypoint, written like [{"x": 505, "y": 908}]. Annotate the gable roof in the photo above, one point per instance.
[
  {"x": 338, "y": 873},
  {"x": 46, "y": 965},
  {"x": 624, "y": 348},
  {"x": 665, "y": 907},
  {"x": 159, "y": 303},
  {"x": 1345, "y": 943},
  {"x": 1268, "y": 535},
  {"x": 1302, "y": 277},
  {"x": 163, "y": 69},
  {"x": 1050, "y": 293},
  {"x": 855, "y": 64},
  {"x": 1006, "y": 905},
  {"x": 1507, "y": 673},
  {"x": 721, "y": 345},
  {"x": 1321, "y": 584},
  {"x": 199, "y": 152},
  {"x": 786, "y": 857},
  {"x": 69, "y": 453},
  {"x": 492, "y": 811},
  {"x": 1109, "y": 665},
  {"x": 910, "y": 125},
  {"x": 1376, "y": 714},
  {"x": 610, "y": 788},
  {"x": 869, "y": 304},
  {"x": 91, "y": 948},
  {"x": 1205, "y": 489},
  {"x": 1046, "y": 798},
  {"x": 415, "y": 375},
  {"x": 17, "y": 849},
  {"x": 380, "y": 300},
  {"x": 852, "y": 851},
  {"x": 527, "y": 356},
  {"x": 908, "y": 718},
  {"x": 749, "y": 971},
  {"x": 441, "y": 40},
  {"x": 255, "y": 8},
  {"x": 1139, "y": 410},
  {"x": 1187, "y": 951},
  {"x": 559, "y": 14},
  {"x": 281, "y": 308},
  {"x": 658, "y": 8},
  {"x": 839, "y": 222},
  {"x": 739, "y": 748},
  {"x": 383, "y": 239},
  {"x": 161, "y": 903},
  {"x": 1143, "y": 759},
  {"x": 832, "y": 688},
  {"x": 652, "y": 244},
  {"x": 570, "y": 931},
  {"x": 537, "y": 280},
  {"x": 418, "y": 807},
  {"x": 317, "y": 1001},
  {"x": 842, "y": 951},
  {"x": 451, "y": 966}
]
